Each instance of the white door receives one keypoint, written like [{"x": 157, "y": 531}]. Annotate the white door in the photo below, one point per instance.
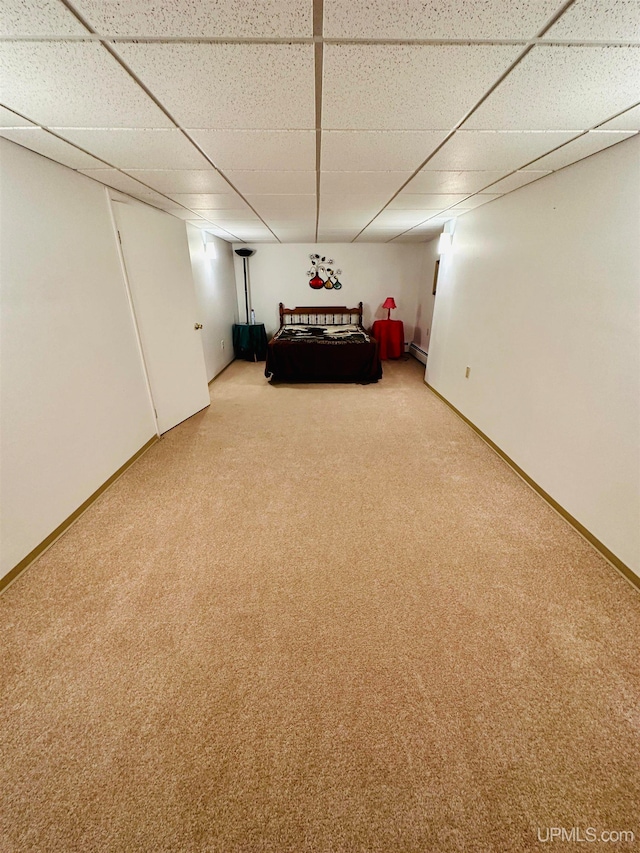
[{"x": 158, "y": 269}]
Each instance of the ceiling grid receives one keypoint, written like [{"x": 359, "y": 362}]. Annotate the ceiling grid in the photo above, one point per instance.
[{"x": 319, "y": 120}]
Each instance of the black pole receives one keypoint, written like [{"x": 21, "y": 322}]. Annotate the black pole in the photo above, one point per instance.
[{"x": 246, "y": 291}]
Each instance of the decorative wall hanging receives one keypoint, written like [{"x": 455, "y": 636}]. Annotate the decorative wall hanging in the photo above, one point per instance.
[{"x": 322, "y": 274}]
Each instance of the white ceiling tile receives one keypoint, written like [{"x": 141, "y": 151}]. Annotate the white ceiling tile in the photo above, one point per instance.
[
  {"x": 475, "y": 150},
  {"x": 40, "y": 141},
  {"x": 583, "y": 147},
  {"x": 374, "y": 235},
  {"x": 201, "y": 18},
  {"x": 294, "y": 183},
  {"x": 10, "y": 119},
  {"x": 421, "y": 234},
  {"x": 245, "y": 216},
  {"x": 429, "y": 181},
  {"x": 401, "y": 218},
  {"x": 289, "y": 205},
  {"x": 205, "y": 225},
  {"x": 349, "y": 219},
  {"x": 138, "y": 149},
  {"x": 425, "y": 201},
  {"x": 594, "y": 19},
  {"x": 336, "y": 235},
  {"x": 433, "y": 19},
  {"x": 154, "y": 199},
  {"x": 180, "y": 213},
  {"x": 474, "y": 201},
  {"x": 38, "y": 18},
  {"x": 411, "y": 237},
  {"x": 559, "y": 88},
  {"x": 73, "y": 84},
  {"x": 119, "y": 181},
  {"x": 518, "y": 179},
  {"x": 296, "y": 223},
  {"x": 269, "y": 150},
  {"x": 210, "y": 201},
  {"x": 629, "y": 120},
  {"x": 434, "y": 222},
  {"x": 381, "y": 151},
  {"x": 295, "y": 235},
  {"x": 182, "y": 181},
  {"x": 412, "y": 87},
  {"x": 245, "y": 231},
  {"x": 336, "y": 203},
  {"x": 355, "y": 183},
  {"x": 229, "y": 85}
]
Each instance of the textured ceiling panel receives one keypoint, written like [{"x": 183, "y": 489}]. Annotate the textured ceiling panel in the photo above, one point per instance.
[
  {"x": 182, "y": 181},
  {"x": 362, "y": 183},
  {"x": 119, "y": 181},
  {"x": 586, "y": 145},
  {"x": 401, "y": 218},
  {"x": 50, "y": 146},
  {"x": 180, "y": 213},
  {"x": 210, "y": 201},
  {"x": 336, "y": 235},
  {"x": 294, "y": 183},
  {"x": 629, "y": 120},
  {"x": 229, "y": 85},
  {"x": 38, "y": 18},
  {"x": 297, "y": 235},
  {"x": 474, "y": 150},
  {"x": 451, "y": 182},
  {"x": 337, "y": 202},
  {"x": 615, "y": 20},
  {"x": 412, "y": 87},
  {"x": 284, "y": 207},
  {"x": 428, "y": 201},
  {"x": 364, "y": 151},
  {"x": 275, "y": 150},
  {"x": 434, "y": 19},
  {"x": 73, "y": 84},
  {"x": 138, "y": 149},
  {"x": 419, "y": 235},
  {"x": 518, "y": 179},
  {"x": 246, "y": 215},
  {"x": 562, "y": 88},
  {"x": 234, "y": 18},
  {"x": 9, "y": 119},
  {"x": 474, "y": 201}
]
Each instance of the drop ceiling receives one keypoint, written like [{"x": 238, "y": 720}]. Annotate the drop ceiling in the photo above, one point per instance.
[{"x": 328, "y": 120}]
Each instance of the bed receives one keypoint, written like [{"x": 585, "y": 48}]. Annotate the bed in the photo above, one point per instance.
[{"x": 318, "y": 344}]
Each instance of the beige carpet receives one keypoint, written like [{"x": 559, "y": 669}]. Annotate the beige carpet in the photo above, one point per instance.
[{"x": 318, "y": 619}]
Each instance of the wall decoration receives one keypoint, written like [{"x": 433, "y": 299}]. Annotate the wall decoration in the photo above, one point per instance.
[{"x": 322, "y": 274}]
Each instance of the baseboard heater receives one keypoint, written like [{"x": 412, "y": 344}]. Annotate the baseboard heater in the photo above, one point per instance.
[{"x": 419, "y": 353}]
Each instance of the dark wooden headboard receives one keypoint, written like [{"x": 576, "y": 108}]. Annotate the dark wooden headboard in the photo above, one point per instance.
[{"x": 336, "y": 315}]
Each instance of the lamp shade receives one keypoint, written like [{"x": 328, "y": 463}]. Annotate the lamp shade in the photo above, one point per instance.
[{"x": 389, "y": 302}]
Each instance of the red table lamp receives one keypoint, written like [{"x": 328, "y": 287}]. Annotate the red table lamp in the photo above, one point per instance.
[{"x": 389, "y": 303}]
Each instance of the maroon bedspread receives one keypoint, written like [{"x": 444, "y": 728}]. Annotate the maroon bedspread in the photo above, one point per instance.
[{"x": 323, "y": 361}]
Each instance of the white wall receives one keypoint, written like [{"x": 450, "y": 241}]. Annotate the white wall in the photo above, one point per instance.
[
  {"x": 541, "y": 298},
  {"x": 370, "y": 273},
  {"x": 74, "y": 401},
  {"x": 215, "y": 287},
  {"x": 426, "y": 299}
]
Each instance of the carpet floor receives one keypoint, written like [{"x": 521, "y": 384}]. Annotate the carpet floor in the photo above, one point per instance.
[{"x": 318, "y": 619}]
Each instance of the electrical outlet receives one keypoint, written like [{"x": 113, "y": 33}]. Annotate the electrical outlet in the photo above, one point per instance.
[
  {"x": 467, "y": 372},
  {"x": 221, "y": 344}
]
